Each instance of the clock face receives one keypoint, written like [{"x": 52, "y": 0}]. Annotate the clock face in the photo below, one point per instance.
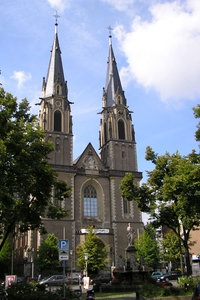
[{"x": 58, "y": 103}]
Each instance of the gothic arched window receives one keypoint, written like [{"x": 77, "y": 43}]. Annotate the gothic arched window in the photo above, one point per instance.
[
  {"x": 126, "y": 206},
  {"x": 90, "y": 208},
  {"x": 57, "y": 90},
  {"x": 57, "y": 120},
  {"x": 121, "y": 130},
  {"x": 110, "y": 130},
  {"x": 105, "y": 132}
]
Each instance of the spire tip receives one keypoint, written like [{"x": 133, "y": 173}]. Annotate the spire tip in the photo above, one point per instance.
[
  {"x": 56, "y": 18},
  {"x": 110, "y": 34}
]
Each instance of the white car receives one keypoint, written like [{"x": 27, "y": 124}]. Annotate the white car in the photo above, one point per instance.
[
  {"x": 54, "y": 280},
  {"x": 75, "y": 277}
]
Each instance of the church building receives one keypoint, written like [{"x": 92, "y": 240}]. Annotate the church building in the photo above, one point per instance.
[{"x": 94, "y": 178}]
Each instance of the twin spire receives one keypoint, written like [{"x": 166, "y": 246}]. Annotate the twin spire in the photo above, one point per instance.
[
  {"x": 55, "y": 75},
  {"x": 55, "y": 83},
  {"x": 113, "y": 87}
]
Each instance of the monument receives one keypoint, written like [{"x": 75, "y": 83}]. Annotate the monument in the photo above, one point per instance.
[{"x": 130, "y": 251}]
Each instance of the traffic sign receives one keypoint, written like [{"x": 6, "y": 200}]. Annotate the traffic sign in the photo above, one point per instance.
[
  {"x": 63, "y": 255},
  {"x": 63, "y": 244}
]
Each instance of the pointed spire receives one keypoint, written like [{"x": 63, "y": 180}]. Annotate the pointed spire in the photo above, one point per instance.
[
  {"x": 55, "y": 81},
  {"x": 113, "y": 85}
]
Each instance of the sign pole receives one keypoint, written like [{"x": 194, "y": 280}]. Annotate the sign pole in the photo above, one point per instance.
[
  {"x": 64, "y": 291},
  {"x": 63, "y": 247}
]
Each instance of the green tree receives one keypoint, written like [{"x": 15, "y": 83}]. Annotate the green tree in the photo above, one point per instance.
[
  {"x": 97, "y": 253},
  {"x": 47, "y": 257},
  {"x": 5, "y": 258},
  {"x": 130, "y": 191},
  {"x": 26, "y": 178},
  {"x": 171, "y": 195},
  {"x": 171, "y": 249},
  {"x": 197, "y": 115},
  {"x": 127, "y": 187},
  {"x": 147, "y": 248}
]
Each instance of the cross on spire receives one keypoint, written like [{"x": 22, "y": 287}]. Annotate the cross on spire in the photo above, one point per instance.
[
  {"x": 56, "y": 17},
  {"x": 110, "y": 34},
  {"x": 110, "y": 31}
]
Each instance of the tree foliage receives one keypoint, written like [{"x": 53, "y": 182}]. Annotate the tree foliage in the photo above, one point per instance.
[
  {"x": 26, "y": 178},
  {"x": 172, "y": 194},
  {"x": 171, "y": 249},
  {"x": 197, "y": 115},
  {"x": 131, "y": 191},
  {"x": 5, "y": 258},
  {"x": 97, "y": 253},
  {"x": 127, "y": 187},
  {"x": 47, "y": 258},
  {"x": 147, "y": 248}
]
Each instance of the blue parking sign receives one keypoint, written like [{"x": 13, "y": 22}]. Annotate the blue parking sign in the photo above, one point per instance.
[{"x": 63, "y": 244}]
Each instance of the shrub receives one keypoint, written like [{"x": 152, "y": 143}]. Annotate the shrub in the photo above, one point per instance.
[
  {"x": 31, "y": 291},
  {"x": 152, "y": 290},
  {"x": 188, "y": 282}
]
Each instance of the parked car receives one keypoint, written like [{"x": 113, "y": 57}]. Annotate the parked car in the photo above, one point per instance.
[
  {"x": 101, "y": 278},
  {"x": 54, "y": 280},
  {"x": 196, "y": 294},
  {"x": 75, "y": 277},
  {"x": 156, "y": 275},
  {"x": 174, "y": 275}
]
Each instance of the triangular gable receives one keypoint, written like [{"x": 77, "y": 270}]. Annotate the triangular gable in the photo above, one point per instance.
[{"x": 89, "y": 159}]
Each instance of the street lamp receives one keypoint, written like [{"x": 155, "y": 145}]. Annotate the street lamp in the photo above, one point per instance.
[
  {"x": 71, "y": 253},
  {"x": 86, "y": 259}
]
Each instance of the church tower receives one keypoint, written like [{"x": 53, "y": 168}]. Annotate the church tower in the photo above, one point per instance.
[
  {"x": 55, "y": 114},
  {"x": 95, "y": 198},
  {"x": 117, "y": 138}
]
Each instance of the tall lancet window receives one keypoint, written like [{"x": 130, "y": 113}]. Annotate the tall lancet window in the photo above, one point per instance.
[
  {"x": 121, "y": 130},
  {"x": 57, "y": 120},
  {"x": 105, "y": 132},
  {"x": 90, "y": 202},
  {"x": 57, "y": 90},
  {"x": 110, "y": 130}
]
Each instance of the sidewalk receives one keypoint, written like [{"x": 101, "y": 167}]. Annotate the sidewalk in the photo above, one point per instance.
[{"x": 122, "y": 296}]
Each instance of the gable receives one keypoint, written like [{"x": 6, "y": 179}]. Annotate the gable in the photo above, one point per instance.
[{"x": 89, "y": 159}]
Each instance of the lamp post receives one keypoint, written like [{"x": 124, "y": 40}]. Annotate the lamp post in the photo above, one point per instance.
[
  {"x": 32, "y": 262},
  {"x": 71, "y": 253},
  {"x": 86, "y": 259}
]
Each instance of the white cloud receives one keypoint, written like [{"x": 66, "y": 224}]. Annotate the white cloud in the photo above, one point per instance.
[
  {"x": 21, "y": 77},
  {"x": 121, "y": 5},
  {"x": 163, "y": 53},
  {"x": 59, "y": 5}
]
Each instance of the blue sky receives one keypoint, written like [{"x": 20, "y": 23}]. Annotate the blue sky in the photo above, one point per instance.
[{"x": 157, "y": 48}]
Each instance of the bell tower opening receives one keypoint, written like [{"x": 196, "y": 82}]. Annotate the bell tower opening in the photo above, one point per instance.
[
  {"x": 121, "y": 130},
  {"x": 57, "y": 120}
]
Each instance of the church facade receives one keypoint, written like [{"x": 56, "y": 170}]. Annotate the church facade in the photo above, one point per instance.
[{"x": 94, "y": 178}]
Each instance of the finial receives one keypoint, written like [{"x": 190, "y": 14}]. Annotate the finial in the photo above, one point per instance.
[
  {"x": 110, "y": 34},
  {"x": 56, "y": 18}
]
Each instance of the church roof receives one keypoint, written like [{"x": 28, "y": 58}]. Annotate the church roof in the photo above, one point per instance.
[
  {"x": 113, "y": 85},
  {"x": 55, "y": 73}
]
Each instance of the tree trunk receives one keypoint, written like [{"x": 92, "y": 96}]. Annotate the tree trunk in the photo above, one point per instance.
[
  {"x": 6, "y": 234},
  {"x": 187, "y": 252}
]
